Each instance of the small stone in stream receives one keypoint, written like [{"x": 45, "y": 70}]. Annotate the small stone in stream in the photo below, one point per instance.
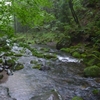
[
  {"x": 1, "y": 69},
  {"x": 6, "y": 67},
  {"x": 43, "y": 68},
  {"x": 9, "y": 72},
  {"x": 1, "y": 76},
  {"x": 1, "y": 65}
]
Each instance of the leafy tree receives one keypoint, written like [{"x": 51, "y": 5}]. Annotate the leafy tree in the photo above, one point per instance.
[
  {"x": 5, "y": 17},
  {"x": 32, "y": 13}
]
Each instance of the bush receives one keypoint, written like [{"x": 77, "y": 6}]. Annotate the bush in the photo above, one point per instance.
[
  {"x": 76, "y": 54},
  {"x": 93, "y": 71}
]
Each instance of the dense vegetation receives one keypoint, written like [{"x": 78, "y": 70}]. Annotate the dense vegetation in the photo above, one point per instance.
[{"x": 74, "y": 25}]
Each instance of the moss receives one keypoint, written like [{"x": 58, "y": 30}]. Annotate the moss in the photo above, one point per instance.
[
  {"x": 1, "y": 60},
  {"x": 67, "y": 50},
  {"x": 77, "y": 98},
  {"x": 9, "y": 54},
  {"x": 95, "y": 91},
  {"x": 33, "y": 62},
  {"x": 10, "y": 62},
  {"x": 49, "y": 56},
  {"x": 38, "y": 66},
  {"x": 36, "y": 53},
  {"x": 76, "y": 54},
  {"x": 92, "y": 71},
  {"x": 18, "y": 55},
  {"x": 45, "y": 49},
  {"x": 83, "y": 55},
  {"x": 6, "y": 47},
  {"x": 19, "y": 67},
  {"x": 25, "y": 45},
  {"x": 91, "y": 61}
]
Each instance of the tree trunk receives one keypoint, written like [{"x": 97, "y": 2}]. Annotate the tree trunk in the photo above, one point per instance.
[{"x": 73, "y": 13}]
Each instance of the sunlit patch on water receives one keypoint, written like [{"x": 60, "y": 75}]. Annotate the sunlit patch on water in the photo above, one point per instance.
[{"x": 68, "y": 59}]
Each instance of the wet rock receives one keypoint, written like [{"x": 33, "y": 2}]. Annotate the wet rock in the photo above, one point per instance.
[
  {"x": 4, "y": 95},
  {"x": 44, "y": 68},
  {"x": 6, "y": 67},
  {"x": 1, "y": 69},
  {"x": 18, "y": 67},
  {"x": 49, "y": 95},
  {"x": 9, "y": 72}
]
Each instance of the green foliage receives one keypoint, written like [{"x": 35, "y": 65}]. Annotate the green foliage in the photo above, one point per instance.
[
  {"x": 18, "y": 67},
  {"x": 5, "y": 18},
  {"x": 32, "y": 13},
  {"x": 1, "y": 60},
  {"x": 50, "y": 56},
  {"x": 77, "y": 98},
  {"x": 78, "y": 4},
  {"x": 76, "y": 54},
  {"x": 67, "y": 50},
  {"x": 95, "y": 91},
  {"x": 92, "y": 71},
  {"x": 38, "y": 66},
  {"x": 10, "y": 62}
]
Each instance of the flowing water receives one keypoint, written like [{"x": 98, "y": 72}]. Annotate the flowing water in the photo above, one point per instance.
[{"x": 59, "y": 79}]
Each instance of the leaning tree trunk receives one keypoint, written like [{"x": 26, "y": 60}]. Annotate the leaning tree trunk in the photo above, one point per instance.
[{"x": 73, "y": 12}]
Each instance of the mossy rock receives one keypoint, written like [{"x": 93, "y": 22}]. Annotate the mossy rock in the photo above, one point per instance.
[
  {"x": 37, "y": 54},
  {"x": 49, "y": 56},
  {"x": 66, "y": 50},
  {"x": 76, "y": 54},
  {"x": 1, "y": 60},
  {"x": 93, "y": 71},
  {"x": 95, "y": 91},
  {"x": 77, "y": 98},
  {"x": 10, "y": 62},
  {"x": 34, "y": 62},
  {"x": 6, "y": 47},
  {"x": 9, "y": 54},
  {"x": 19, "y": 67},
  {"x": 17, "y": 54},
  {"x": 38, "y": 66},
  {"x": 45, "y": 49},
  {"x": 83, "y": 55}
]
